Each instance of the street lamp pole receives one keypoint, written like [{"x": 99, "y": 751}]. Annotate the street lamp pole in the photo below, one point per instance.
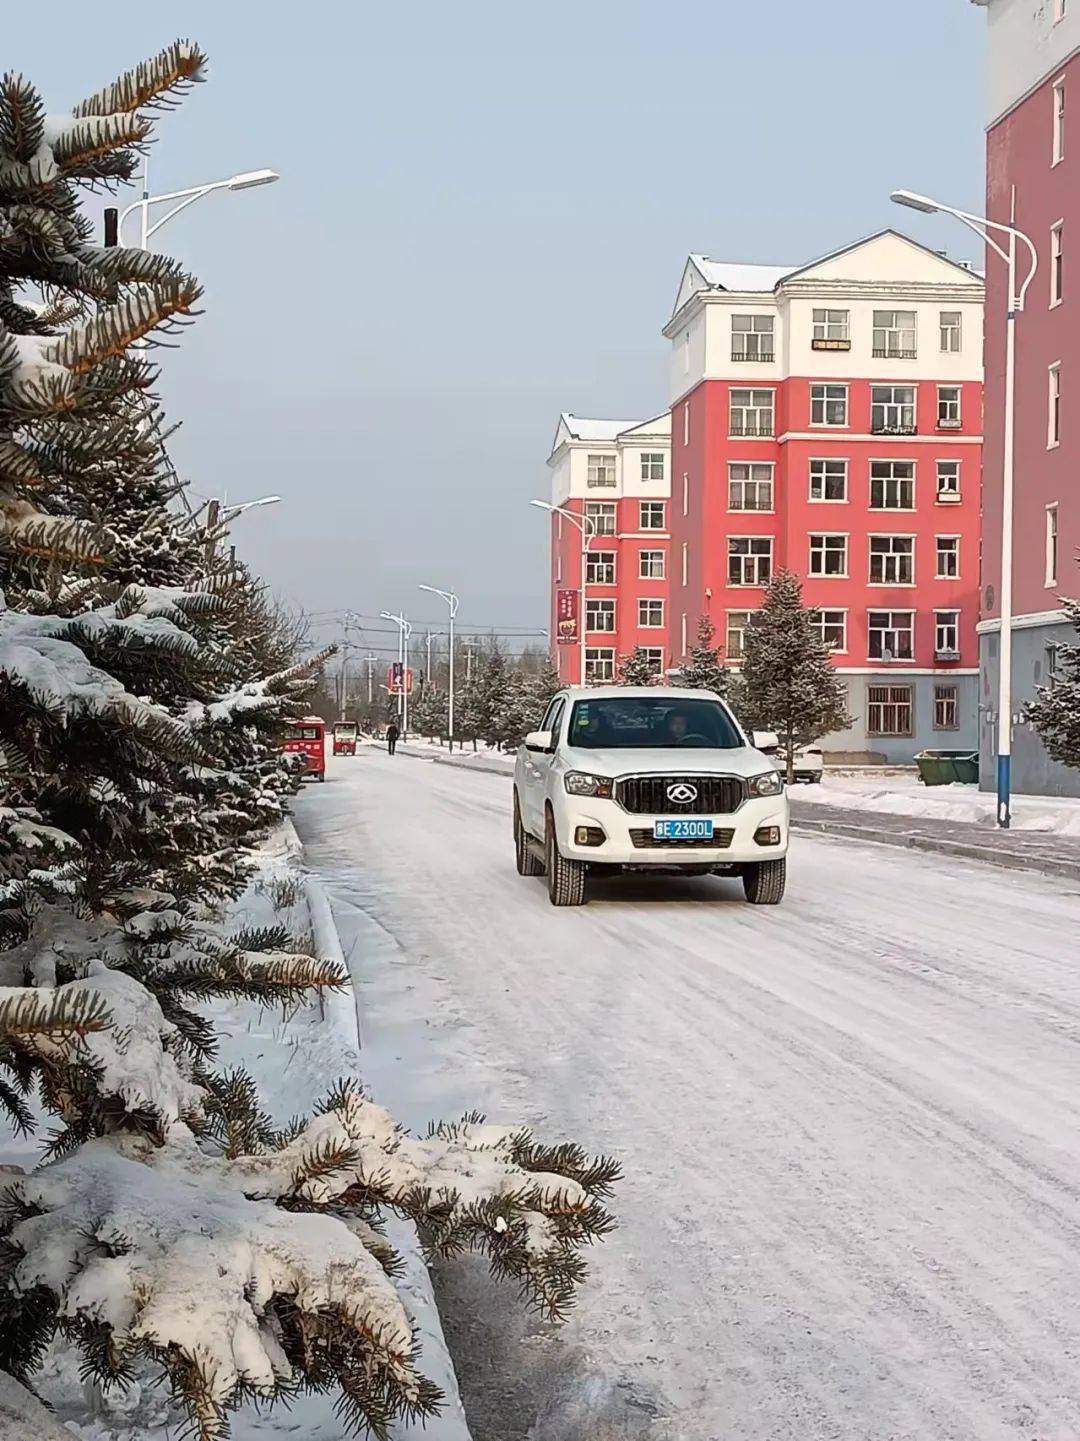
[
  {"x": 404, "y": 632},
  {"x": 587, "y": 527},
  {"x": 982, "y": 227},
  {"x": 246, "y": 180},
  {"x": 452, "y": 603}
]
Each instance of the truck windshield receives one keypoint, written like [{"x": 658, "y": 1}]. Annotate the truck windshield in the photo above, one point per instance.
[{"x": 645, "y": 722}]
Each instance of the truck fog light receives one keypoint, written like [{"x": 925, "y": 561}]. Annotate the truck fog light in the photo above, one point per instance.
[
  {"x": 589, "y": 836},
  {"x": 767, "y": 835}
]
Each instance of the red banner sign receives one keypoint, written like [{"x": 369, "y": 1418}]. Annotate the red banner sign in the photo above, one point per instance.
[
  {"x": 567, "y": 616},
  {"x": 399, "y": 680}
]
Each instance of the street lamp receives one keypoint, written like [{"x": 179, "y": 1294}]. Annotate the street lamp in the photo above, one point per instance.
[
  {"x": 246, "y": 180},
  {"x": 452, "y": 603},
  {"x": 982, "y": 227},
  {"x": 404, "y": 632},
  {"x": 587, "y": 526},
  {"x": 219, "y": 514}
]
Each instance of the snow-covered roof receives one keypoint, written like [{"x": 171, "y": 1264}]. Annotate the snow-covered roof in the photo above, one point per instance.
[
  {"x": 733, "y": 275},
  {"x": 581, "y": 428}
]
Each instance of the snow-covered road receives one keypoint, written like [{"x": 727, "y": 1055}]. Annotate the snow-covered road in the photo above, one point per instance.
[{"x": 849, "y": 1126}]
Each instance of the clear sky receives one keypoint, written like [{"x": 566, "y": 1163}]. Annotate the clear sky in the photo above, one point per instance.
[{"x": 482, "y": 218}]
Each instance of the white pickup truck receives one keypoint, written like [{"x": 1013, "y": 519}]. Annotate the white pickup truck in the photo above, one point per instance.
[{"x": 647, "y": 778}]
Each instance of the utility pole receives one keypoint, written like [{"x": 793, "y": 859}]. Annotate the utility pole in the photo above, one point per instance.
[{"x": 371, "y": 659}]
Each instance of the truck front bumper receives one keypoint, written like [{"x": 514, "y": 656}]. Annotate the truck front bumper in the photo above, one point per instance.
[{"x": 757, "y": 831}]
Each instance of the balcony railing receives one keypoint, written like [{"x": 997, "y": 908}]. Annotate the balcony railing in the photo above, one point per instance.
[
  {"x": 820, "y": 343},
  {"x": 892, "y": 427},
  {"x": 948, "y": 422},
  {"x": 599, "y": 482},
  {"x": 759, "y": 428},
  {"x": 942, "y": 652},
  {"x": 762, "y": 355},
  {"x": 893, "y": 352}
]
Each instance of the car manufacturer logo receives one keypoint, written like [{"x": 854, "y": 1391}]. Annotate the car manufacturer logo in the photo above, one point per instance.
[{"x": 682, "y": 794}]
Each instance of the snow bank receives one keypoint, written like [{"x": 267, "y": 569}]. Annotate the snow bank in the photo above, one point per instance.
[{"x": 907, "y": 796}]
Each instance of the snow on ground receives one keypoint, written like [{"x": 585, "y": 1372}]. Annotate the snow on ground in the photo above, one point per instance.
[
  {"x": 905, "y": 795},
  {"x": 848, "y": 1125}
]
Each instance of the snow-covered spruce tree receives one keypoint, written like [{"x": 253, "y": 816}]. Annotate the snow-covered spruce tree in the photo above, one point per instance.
[
  {"x": 790, "y": 684},
  {"x": 704, "y": 668},
  {"x": 1055, "y": 713},
  {"x": 637, "y": 668}
]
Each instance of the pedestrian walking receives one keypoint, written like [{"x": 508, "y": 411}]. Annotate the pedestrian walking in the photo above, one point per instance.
[{"x": 392, "y": 734}]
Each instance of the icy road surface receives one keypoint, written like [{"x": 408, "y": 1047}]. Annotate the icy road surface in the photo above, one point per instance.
[{"x": 849, "y": 1126}]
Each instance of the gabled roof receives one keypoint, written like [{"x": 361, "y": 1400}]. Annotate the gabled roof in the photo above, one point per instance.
[
  {"x": 734, "y": 275},
  {"x": 579, "y": 428}
]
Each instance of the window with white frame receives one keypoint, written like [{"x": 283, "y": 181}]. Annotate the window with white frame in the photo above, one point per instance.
[
  {"x": 737, "y": 621},
  {"x": 685, "y": 559},
  {"x": 892, "y": 409},
  {"x": 602, "y": 515},
  {"x": 652, "y": 515},
  {"x": 1053, "y": 406},
  {"x": 682, "y": 633},
  {"x": 948, "y": 481},
  {"x": 651, "y": 565},
  {"x": 1057, "y": 263},
  {"x": 946, "y": 632},
  {"x": 892, "y": 560},
  {"x": 752, "y": 337},
  {"x": 828, "y": 479},
  {"x": 950, "y": 322},
  {"x": 653, "y": 655},
  {"x": 685, "y": 494},
  {"x": 1051, "y": 545},
  {"x": 828, "y": 554},
  {"x": 890, "y": 634},
  {"x": 650, "y": 613},
  {"x": 686, "y": 419},
  {"x": 831, "y": 330},
  {"x": 600, "y": 567},
  {"x": 601, "y": 470},
  {"x": 558, "y": 569},
  {"x": 892, "y": 485},
  {"x": 828, "y": 404},
  {"x": 889, "y": 710},
  {"x": 599, "y": 664},
  {"x": 652, "y": 465},
  {"x": 894, "y": 334},
  {"x": 749, "y": 559},
  {"x": 947, "y": 551},
  {"x": 600, "y": 615},
  {"x": 831, "y": 628},
  {"x": 750, "y": 486},
  {"x": 948, "y": 407},
  {"x": 946, "y": 707},
  {"x": 750, "y": 412},
  {"x": 1058, "y": 144}
]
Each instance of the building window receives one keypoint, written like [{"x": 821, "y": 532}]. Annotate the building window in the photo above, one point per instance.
[
  {"x": 599, "y": 664},
  {"x": 1057, "y": 260},
  {"x": 685, "y": 560},
  {"x": 654, "y": 656},
  {"x": 891, "y": 634},
  {"x": 889, "y": 710},
  {"x": 828, "y": 404},
  {"x": 892, "y": 560},
  {"x": 948, "y": 557},
  {"x": 682, "y": 633},
  {"x": 831, "y": 626},
  {"x": 602, "y": 515},
  {"x": 650, "y": 614},
  {"x": 601, "y": 470},
  {"x": 950, "y": 332},
  {"x": 558, "y": 569},
  {"x": 946, "y": 633},
  {"x": 894, "y": 334},
  {"x": 892, "y": 485},
  {"x": 749, "y": 559},
  {"x": 831, "y": 330},
  {"x": 751, "y": 337},
  {"x": 828, "y": 555},
  {"x": 651, "y": 515},
  {"x": 600, "y": 615},
  {"x": 1051, "y": 544},
  {"x": 1052, "y": 658},
  {"x": 737, "y": 621},
  {"x": 828, "y": 479},
  {"x": 600, "y": 567},
  {"x": 652, "y": 465},
  {"x": 1058, "y": 153},
  {"x": 750, "y": 487},
  {"x": 651, "y": 565},
  {"x": 948, "y": 481},
  {"x": 685, "y": 494},
  {"x": 946, "y": 708},
  {"x": 1053, "y": 406},
  {"x": 751, "y": 412},
  {"x": 686, "y": 408},
  {"x": 948, "y": 407},
  {"x": 892, "y": 409}
]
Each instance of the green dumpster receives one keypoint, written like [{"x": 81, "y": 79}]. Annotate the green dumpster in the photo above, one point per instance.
[{"x": 942, "y": 768}]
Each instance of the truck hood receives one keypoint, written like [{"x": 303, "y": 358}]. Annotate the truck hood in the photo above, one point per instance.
[{"x": 677, "y": 761}]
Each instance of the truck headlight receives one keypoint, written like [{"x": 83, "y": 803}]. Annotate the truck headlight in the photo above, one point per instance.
[
  {"x": 768, "y": 783},
  {"x": 581, "y": 783}
]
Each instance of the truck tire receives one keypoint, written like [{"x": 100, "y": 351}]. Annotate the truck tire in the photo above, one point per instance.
[
  {"x": 565, "y": 878},
  {"x": 527, "y": 863},
  {"x": 763, "y": 882}
]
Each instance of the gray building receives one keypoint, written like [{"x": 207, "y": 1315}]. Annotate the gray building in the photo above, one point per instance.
[{"x": 1036, "y": 643}]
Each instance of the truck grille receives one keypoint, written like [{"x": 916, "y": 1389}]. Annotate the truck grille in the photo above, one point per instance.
[
  {"x": 644, "y": 840},
  {"x": 648, "y": 795}
]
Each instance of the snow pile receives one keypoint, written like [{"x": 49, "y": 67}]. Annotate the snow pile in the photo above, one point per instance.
[{"x": 907, "y": 796}]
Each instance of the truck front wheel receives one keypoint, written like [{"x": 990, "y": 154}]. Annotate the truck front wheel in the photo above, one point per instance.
[
  {"x": 764, "y": 881},
  {"x": 565, "y": 878}
]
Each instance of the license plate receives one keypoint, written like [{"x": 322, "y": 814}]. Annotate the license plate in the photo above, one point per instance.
[{"x": 687, "y": 830}]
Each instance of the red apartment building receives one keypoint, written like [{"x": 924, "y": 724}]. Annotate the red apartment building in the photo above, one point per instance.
[
  {"x": 1033, "y": 177},
  {"x": 827, "y": 418}
]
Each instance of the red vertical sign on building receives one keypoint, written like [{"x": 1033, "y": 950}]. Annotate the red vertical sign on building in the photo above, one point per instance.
[{"x": 567, "y": 616}]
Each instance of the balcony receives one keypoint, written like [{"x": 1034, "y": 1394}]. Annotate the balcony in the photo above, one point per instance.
[
  {"x": 758, "y": 430},
  {"x": 891, "y": 427},
  {"x": 762, "y": 355},
  {"x": 894, "y": 353},
  {"x": 822, "y": 344}
]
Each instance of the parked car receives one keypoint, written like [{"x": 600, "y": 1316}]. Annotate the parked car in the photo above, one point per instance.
[
  {"x": 809, "y": 760},
  {"x": 647, "y": 779}
]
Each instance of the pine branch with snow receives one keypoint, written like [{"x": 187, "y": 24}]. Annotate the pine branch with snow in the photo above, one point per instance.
[
  {"x": 704, "y": 668},
  {"x": 1055, "y": 713}
]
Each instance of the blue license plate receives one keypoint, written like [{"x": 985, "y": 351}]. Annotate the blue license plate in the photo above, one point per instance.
[{"x": 687, "y": 830}]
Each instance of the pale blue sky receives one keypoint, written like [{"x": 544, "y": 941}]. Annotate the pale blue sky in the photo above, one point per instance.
[{"x": 483, "y": 213}]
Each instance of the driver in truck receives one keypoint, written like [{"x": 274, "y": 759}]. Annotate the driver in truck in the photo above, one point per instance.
[{"x": 676, "y": 726}]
